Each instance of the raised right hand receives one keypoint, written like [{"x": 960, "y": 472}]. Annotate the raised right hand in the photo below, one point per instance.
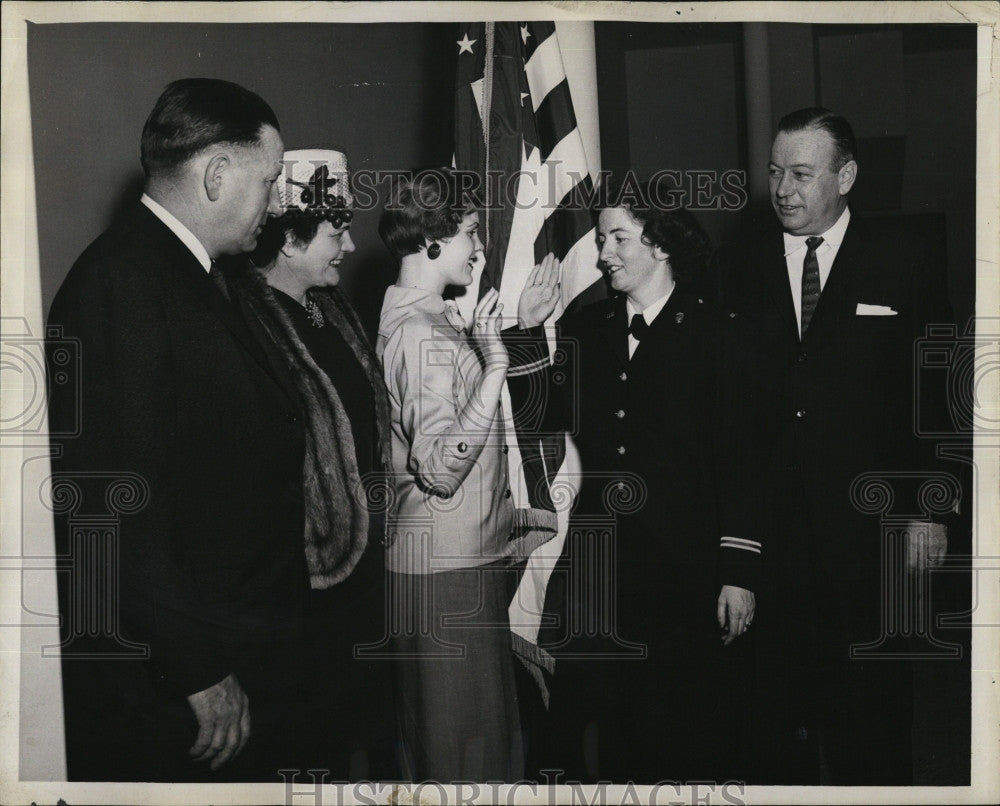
[
  {"x": 540, "y": 294},
  {"x": 223, "y": 713},
  {"x": 486, "y": 330}
]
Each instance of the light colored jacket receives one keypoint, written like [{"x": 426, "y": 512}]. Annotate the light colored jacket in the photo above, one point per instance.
[{"x": 450, "y": 509}]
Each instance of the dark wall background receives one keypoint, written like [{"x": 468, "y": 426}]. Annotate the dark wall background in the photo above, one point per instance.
[
  {"x": 675, "y": 96},
  {"x": 382, "y": 93},
  {"x": 671, "y": 96}
]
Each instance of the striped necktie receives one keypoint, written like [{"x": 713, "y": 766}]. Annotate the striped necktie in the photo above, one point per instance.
[
  {"x": 216, "y": 276},
  {"x": 810, "y": 282}
]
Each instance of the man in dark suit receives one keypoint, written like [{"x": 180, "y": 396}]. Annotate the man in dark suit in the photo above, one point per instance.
[
  {"x": 186, "y": 435},
  {"x": 823, "y": 312},
  {"x": 633, "y": 636}
]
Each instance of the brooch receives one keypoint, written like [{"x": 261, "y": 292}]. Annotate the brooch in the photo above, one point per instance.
[{"x": 314, "y": 313}]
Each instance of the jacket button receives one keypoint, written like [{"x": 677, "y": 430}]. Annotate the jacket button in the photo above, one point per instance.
[
  {"x": 462, "y": 447},
  {"x": 800, "y": 413},
  {"x": 620, "y": 414},
  {"x": 506, "y": 449},
  {"x": 621, "y": 450},
  {"x": 802, "y": 358},
  {"x": 623, "y": 376},
  {"x": 291, "y": 418},
  {"x": 506, "y": 493}
]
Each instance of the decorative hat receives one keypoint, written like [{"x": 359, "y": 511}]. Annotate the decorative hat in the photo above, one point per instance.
[{"x": 316, "y": 180}]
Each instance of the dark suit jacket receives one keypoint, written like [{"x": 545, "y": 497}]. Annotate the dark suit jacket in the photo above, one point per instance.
[
  {"x": 808, "y": 418},
  {"x": 176, "y": 392}
]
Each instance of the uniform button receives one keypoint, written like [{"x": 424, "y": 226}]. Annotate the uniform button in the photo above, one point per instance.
[
  {"x": 621, "y": 449},
  {"x": 732, "y": 314},
  {"x": 462, "y": 447},
  {"x": 620, "y": 414},
  {"x": 800, "y": 413},
  {"x": 506, "y": 493},
  {"x": 623, "y": 376}
]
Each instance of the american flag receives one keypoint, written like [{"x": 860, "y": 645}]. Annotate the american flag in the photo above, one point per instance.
[{"x": 515, "y": 126}]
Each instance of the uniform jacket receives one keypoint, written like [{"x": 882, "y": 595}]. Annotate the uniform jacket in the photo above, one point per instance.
[{"x": 642, "y": 426}]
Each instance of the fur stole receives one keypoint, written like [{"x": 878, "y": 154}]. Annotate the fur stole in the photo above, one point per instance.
[{"x": 336, "y": 502}]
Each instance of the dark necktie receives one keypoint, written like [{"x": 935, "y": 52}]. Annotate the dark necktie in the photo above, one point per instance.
[
  {"x": 216, "y": 276},
  {"x": 638, "y": 327},
  {"x": 810, "y": 282}
]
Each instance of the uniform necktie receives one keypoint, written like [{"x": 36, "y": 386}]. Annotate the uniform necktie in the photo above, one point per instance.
[
  {"x": 810, "y": 282},
  {"x": 637, "y": 327}
]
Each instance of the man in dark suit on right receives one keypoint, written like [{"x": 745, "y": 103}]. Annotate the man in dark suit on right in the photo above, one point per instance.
[{"x": 823, "y": 312}]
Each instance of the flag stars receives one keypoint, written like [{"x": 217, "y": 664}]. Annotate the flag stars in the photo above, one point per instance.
[
  {"x": 465, "y": 44},
  {"x": 525, "y": 33}
]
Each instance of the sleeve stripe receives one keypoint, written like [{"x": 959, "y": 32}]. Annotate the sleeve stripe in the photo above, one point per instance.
[
  {"x": 527, "y": 369},
  {"x": 740, "y": 543}
]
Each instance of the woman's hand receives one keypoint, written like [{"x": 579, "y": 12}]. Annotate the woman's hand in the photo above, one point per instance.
[
  {"x": 540, "y": 294},
  {"x": 486, "y": 330}
]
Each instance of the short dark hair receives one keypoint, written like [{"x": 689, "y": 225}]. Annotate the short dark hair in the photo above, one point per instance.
[
  {"x": 195, "y": 113},
  {"x": 301, "y": 225},
  {"x": 674, "y": 229},
  {"x": 425, "y": 207},
  {"x": 815, "y": 117}
]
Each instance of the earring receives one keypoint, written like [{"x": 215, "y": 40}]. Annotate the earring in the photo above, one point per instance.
[{"x": 434, "y": 251}]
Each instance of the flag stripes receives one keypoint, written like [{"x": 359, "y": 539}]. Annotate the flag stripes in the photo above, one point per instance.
[
  {"x": 535, "y": 143},
  {"x": 554, "y": 118}
]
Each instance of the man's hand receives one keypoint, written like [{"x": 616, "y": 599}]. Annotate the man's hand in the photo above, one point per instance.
[
  {"x": 223, "y": 713},
  {"x": 736, "y": 608},
  {"x": 926, "y": 545},
  {"x": 540, "y": 294}
]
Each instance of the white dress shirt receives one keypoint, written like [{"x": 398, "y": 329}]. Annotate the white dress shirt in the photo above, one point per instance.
[
  {"x": 178, "y": 229},
  {"x": 795, "y": 256},
  {"x": 649, "y": 313}
]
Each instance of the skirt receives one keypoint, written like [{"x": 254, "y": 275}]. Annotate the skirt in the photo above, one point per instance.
[{"x": 457, "y": 701}]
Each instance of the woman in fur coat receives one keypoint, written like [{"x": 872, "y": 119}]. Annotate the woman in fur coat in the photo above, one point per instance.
[{"x": 288, "y": 294}]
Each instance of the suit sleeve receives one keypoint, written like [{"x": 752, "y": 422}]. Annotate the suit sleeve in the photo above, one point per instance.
[
  {"x": 126, "y": 411},
  {"x": 540, "y": 388},
  {"x": 734, "y": 450},
  {"x": 931, "y": 308}
]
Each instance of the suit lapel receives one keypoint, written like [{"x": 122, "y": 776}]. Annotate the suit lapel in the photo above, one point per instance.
[
  {"x": 778, "y": 286},
  {"x": 193, "y": 276}
]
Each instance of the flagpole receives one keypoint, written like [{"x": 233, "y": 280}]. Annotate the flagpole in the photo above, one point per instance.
[{"x": 485, "y": 114}]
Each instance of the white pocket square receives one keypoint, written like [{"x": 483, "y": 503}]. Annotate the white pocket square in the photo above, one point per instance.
[{"x": 864, "y": 309}]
